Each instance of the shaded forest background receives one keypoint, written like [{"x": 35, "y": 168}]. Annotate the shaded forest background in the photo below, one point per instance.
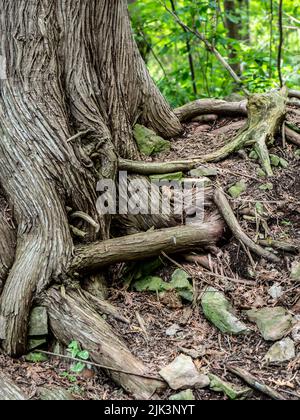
[{"x": 246, "y": 32}]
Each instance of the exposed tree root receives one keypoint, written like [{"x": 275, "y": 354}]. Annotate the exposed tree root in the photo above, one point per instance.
[
  {"x": 226, "y": 211},
  {"x": 265, "y": 114},
  {"x": 145, "y": 245},
  {"x": 211, "y": 106},
  {"x": 294, "y": 93},
  {"x": 9, "y": 391},
  {"x": 292, "y": 136},
  {"x": 73, "y": 318}
]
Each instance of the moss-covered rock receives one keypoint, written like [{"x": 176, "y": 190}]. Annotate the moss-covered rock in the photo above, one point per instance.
[
  {"x": 218, "y": 310},
  {"x": 149, "y": 143},
  {"x": 232, "y": 391},
  {"x": 236, "y": 190},
  {"x": 186, "y": 395}
]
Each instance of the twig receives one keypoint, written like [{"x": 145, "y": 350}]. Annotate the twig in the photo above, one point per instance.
[
  {"x": 256, "y": 384},
  {"x": 227, "y": 213},
  {"x": 76, "y": 136},
  {"x": 74, "y": 359},
  {"x": 209, "y": 47}
]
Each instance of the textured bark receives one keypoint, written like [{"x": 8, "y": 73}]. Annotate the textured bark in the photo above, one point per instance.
[
  {"x": 9, "y": 391},
  {"x": 211, "y": 106},
  {"x": 72, "y": 318},
  {"x": 66, "y": 67},
  {"x": 7, "y": 245},
  {"x": 143, "y": 245}
]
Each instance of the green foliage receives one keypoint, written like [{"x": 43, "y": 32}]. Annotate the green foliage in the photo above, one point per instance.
[
  {"x": 36, "y": 357},
  {"x": 168, "y": 46},
  {"x": 76, "y": 352}
]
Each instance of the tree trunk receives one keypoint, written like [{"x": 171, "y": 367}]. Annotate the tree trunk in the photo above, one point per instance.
[{"x": 68, "y": 67}]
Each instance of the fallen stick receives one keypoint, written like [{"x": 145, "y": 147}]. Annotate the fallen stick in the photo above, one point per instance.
[
  {"x": 9, "y": 391},
  {"x": 92, "y": 257},
  {"x": 229, "y": 216},
  {"x": 283, "y": 246},
  {"x": 256, "y": 384},
  {"x": 88, "y": 362}
]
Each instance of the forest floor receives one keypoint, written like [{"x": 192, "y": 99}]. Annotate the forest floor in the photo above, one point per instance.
[{"x": 151, "y": 343}]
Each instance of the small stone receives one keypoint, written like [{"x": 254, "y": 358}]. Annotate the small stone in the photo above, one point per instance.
[
  {"x": 183, "y": 374},
  {"x": 173, "y": 330},
  {"x": 273, "y": 323},
  {"x": 280, "y": 352},
  {"x": 220, "y": 312},
  {"x": 296, "y": 308},
  {"x": 34, "y": 343},
  {"x": 295, "y": 273},
  {"x": 296, "y": 333},
  {"x": 202, "y": 171},
  {"x": 236, "y": 190},
  {"x": 186, "y": 395},
  {"x": 261, "y": 173},
  {"x": 230, "y": 390},
  {"x": 194, "y": 353},
  {"x": 38, "y": 324},
  {"x": 275, "y": 291}
]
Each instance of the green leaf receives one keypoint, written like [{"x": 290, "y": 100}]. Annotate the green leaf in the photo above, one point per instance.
[
  {"x": 74, "y": 348},
  {"x": 151, "y": 284},
  {"x": 78, "y": 367},
  {"x": 180, "y": 282},
  {"x": 266, "y": 187},
  {"x": 36, "y": 358},
  {"x": 84, "y": 355}
]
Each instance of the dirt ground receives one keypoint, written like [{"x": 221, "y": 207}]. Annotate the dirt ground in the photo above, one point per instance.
[{"x": 244, "y": 278}]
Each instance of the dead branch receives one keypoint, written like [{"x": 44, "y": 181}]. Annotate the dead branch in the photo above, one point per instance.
[
  {"x": 145, "y": 245},
  {"x": 255, "y": 383},
  {"x": 226, "y": 211}
]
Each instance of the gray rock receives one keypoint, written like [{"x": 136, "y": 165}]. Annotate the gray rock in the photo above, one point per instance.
[
  {"x": 183, "y": 374},
  {"x": 280, "y": 352},
  {"x": 295, "y": 272},
  {"x": 275, "y": 291},
  {"x": 186, "y": 395},
  {"x": 296, "y": 333},
  {"x": 38, "y": 324},
  {"x": 273, "y": 323},
  {"x": 220, "y": 312},
  {"x": 202, "y": 171},
  {"x": 173, "y": 330},
  {"x": 194, "y": 353}
]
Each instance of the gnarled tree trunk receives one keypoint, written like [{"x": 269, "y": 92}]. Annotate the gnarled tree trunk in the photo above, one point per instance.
[{"x": 68, "y": 67}]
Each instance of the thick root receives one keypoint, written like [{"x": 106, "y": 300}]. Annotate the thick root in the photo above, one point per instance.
[{"x": 72, "y": 318}]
